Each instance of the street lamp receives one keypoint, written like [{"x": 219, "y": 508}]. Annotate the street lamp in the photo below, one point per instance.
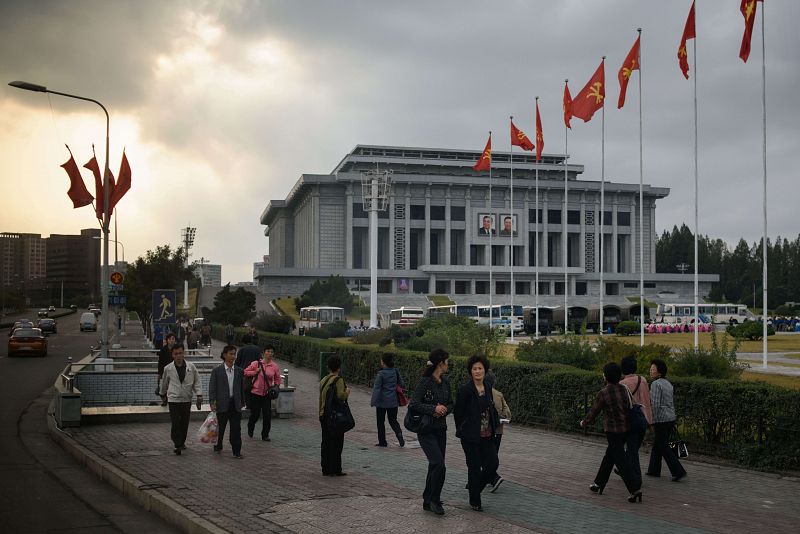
[
  {"x": 117, "y": 242},
  {"x": 106, "y": 214}
]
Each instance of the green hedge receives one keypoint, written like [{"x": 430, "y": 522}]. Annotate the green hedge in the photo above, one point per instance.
[{"x": 751, "y": 423}]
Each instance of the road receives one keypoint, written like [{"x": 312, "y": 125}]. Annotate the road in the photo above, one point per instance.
[{"x": 43, "y": 489}]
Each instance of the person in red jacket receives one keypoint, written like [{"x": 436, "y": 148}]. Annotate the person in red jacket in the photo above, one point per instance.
[{"x": 266, "y": 375}]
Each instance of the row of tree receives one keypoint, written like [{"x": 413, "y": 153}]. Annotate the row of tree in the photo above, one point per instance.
[{"x": 740, "y": 269}]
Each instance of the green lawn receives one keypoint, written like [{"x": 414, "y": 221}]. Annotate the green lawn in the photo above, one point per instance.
[
  {"x": 774, "y": 343},
  {"x": 777, "y": 380},
  {"x": 440, "y": 300}
]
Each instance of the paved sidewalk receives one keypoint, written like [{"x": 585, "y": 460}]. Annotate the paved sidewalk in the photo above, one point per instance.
[{"x": 278, "y": 487}]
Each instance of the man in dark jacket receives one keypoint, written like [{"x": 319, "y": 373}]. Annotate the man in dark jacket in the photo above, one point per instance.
[{"x": 226, "y": 397}]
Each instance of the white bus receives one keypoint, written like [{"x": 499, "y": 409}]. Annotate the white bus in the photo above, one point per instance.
[
  {"x": 502, "y": 317},
  {"x": 462, "y": 310},
  {"x": 316, "y": 316},
  {"x": 405, "y": 316},
  {"x": 707, "y": 312}
]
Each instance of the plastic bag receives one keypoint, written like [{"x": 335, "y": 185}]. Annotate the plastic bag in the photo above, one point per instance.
[{"x": 208, "y": 430}]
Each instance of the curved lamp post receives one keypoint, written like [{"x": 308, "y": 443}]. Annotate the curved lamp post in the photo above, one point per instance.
[{"x": 106, "y": 215}]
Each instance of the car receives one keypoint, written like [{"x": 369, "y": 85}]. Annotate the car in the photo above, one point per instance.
[
  {"x": 51, "y": 308},
  {"x": 47, "y": 326},
  {"x": 27, "y": 341},
  {"x": 42, "y": 312},
  {"x": 73, "y": 307},
  {"x": 198, "y": 322},
  {"x": 88, "y": 321},
  {"x": 20, "y": 323},
  {"x": 95, "y": 310}
]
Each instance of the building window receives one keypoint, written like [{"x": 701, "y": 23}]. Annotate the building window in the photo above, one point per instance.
[
  {"x": 612, "y": 288},
  {"x": 481, "y": 287},
  {"x": 442, "y": 287},
  {"x": 502, "y": 288},
  {"x": 544, "y": 288},
  {"x": 384, "y": 286},
  {"x": 462, "y": 287},
  {"x": 417, "y": 212},
  {"x": 522, "y": 288},
  {"x": 457, "y": 213},
  {"x": 358, "y": 211},
  {"x": 630, "y": 285},
  {"x": 573, "y": 217},
  {"x": 558, "y": 288},
  {"x": 623, "y": 218},
  {"x": 476, "y": 255},
  {"x": 553, "y": 216},
  {"x": 608, "y": 217},
  {"x": 580, "y": 288},
  {"x": 437, "y": 213},
  {"x": 652, "y": 285},
  {"x": 420, "y": 286},
  {"x": 532, "y": 216}
]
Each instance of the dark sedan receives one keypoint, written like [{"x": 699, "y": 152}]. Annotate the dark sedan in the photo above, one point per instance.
[
  {"x": 27, "y": 341},
  {"x": 47, "y": 326}
]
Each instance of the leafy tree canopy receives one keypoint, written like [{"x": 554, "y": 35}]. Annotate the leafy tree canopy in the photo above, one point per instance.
[
  {"x": 234, "y": 307},
  {"x": 330, "y": 292},
  {"x": 161, "y": 268}
]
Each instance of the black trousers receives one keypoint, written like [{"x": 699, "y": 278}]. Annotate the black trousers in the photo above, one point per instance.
[
  {"x": 434, "y": 444},
  {"x": 381, "y": 414},
  {"x": 260, "y": 406},
  {"x": 235, "y": 418},
  {"x": 661, "y": 450},
  {"x": 615, "y": 456},
  {"x": 633, "y": 442},
  {"x": 179, "y": 416},
  {"x": 331, "y": 451},
  {"x": 482, "y": 465}
]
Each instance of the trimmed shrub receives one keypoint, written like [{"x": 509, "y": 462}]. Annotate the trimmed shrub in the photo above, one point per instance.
[
  {"x": 273, "y": 323},
  {"x": 750, "y": 330},
  {"x": 370, "y": 337},
  {"x": 575, "y": 351},
  {"x": 627, "y": 328}
]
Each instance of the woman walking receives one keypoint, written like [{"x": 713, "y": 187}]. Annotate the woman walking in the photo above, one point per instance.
[
  {"x": 614, "y": 401},
  {"x": 332, "y": 442},
  {"x": 432, "y": 397},
  {"x": 266, "y": 375},
  {"x": 476, "y": 423},
  {"x": 637, "y": 385},
  {"x": 385, "y": 401},
  {"x": 661, "y": 399}
]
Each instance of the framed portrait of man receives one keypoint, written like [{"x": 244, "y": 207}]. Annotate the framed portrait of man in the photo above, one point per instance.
[
  {"x": 508, "y": 224},
  {"x": 486, "y": 223}
]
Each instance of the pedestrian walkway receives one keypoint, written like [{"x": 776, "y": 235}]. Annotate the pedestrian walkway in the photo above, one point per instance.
[{"x": 279, "y": 487}]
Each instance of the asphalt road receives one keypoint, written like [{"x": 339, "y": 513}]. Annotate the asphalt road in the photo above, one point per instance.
[{"x": 42, "y": 488}]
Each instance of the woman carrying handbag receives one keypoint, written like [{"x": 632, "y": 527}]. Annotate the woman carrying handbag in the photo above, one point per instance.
[
  {"x": 661, "y": 398},
  {"x": 385, "y": 399},
  {"x": 266, "y": 377}
]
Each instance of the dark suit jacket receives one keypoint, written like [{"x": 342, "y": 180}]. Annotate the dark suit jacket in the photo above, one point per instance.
[
  {"x": 468, "y": 413},
  {"x": 218, "y": 388}
]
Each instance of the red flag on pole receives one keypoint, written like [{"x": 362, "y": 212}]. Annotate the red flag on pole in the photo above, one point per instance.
[
  {"x": 688, "y": 33},
  {"x": 539, "y": 134},
  {"x": 518, "y": 138},
  {"x": 99, "y": 203},
  {"x": 630, "y": 64},
  {"x": 592, "y": 96},
  {"x": 748, "y": 9},
  {"x": 567, "y": 105},
  {"x": 123, "y": 182},
  {"x": 77, "y": 192},
  {"x": 485, "y": 161}
]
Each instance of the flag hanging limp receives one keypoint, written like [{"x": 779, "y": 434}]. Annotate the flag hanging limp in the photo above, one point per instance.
[
  {"x": 630, "y": 64},
  {"x": 485, "y": 161},
  {"x": 77, "y": 192},
  {"x": 688, "y": 33}
]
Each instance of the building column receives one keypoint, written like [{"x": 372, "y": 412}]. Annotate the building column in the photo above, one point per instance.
[
  {"x": 469, "y": 223},
  {"x": 615, "y": 266},
  {"x": 447, "y": 258},
  {"x": 407, "y": 221},
  {"x": 348, "y": 227},
  {"x": 543, "y": 240},
  {"x": 427, "y": 252},
  {"x": 390, "y": 262}
]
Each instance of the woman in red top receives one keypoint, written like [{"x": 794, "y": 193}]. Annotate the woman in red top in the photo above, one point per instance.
[
  {"x": 267, "y": 374},
  {"x": 613, "y": 401}
]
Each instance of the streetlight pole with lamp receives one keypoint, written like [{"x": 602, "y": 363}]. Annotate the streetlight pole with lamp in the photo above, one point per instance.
[{"x": 106, "y": 214}]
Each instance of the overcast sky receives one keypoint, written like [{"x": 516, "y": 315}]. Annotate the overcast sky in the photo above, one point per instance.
[{"x": 222, "y": 105}]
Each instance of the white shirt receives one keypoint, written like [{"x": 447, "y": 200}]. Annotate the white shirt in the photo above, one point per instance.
[{"x": 229, "y": 374}]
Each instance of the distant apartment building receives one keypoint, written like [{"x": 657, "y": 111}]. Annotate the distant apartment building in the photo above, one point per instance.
[
  {"x": 74, "y": 262},
  {"x": 257, "y": 266},
  {"x": 23, "y": 264},
  {"x": 209, "y": 274}
]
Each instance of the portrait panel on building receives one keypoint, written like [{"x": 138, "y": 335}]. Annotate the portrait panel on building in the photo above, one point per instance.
[
  {"x": 508, "y": 224},
  {"x": 486, "y": 224}
]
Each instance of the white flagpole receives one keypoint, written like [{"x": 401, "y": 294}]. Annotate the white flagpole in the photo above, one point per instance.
[
  {"x": 696, "y": 207},
  {"x": 491, "y": 229},
  {"x": 641, "y": 200},
  {"x": 511, "y": 236},
  {"x": 764, "y": 131},
  {"x": 602, "y": 203},
  {"x": 536, "y": 244},
  {"x": 566, "y": 234}
]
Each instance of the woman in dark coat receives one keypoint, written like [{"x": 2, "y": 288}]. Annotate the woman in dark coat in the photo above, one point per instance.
[
  {"x": 476, "y": 422},
  {"x": 384, "y": 399},
  {"x": 432, "y": 397}
]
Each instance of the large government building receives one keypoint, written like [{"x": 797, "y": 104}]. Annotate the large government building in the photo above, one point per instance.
[{"x": 445, "y": 223}]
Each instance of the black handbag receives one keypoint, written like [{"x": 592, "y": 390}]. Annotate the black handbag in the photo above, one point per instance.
[
  {"x": 273, "y": 392},
  {"x": 678, "y": 446},
  {"x": 637, "y": 422},
  {"x": 337, "y": 415}
]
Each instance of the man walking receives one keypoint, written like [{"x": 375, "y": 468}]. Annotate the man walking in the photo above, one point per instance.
[
  {"x": 181, "y": 381},
  {"x": 226, "y": 395},
  {"x": 164, "y": 359}
]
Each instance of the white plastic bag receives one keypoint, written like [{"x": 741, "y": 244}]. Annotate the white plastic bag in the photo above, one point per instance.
[{"x": 208, "y": 430}]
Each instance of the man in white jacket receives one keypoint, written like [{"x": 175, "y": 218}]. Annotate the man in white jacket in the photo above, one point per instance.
[{"x": 180, "y": 382}]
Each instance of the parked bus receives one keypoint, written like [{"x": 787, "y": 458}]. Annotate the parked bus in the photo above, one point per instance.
[
  {"x": 405, "y": 316},
  {"x": 502, "y": 317},
  {"x": 576, "y": 318},
  {"x": 545, "y": 320},
  {"x": 462, "y": 310},
  {"x": 721, "y": 313},
  {"x": 612, "y": 316},
  {"x": 317, "y": 316}
]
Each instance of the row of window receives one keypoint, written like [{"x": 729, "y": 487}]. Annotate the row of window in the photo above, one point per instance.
[{"x": 458, "y": 213}]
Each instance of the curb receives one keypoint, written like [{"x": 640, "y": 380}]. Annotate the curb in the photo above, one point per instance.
[{"x": 129, "y": 486}]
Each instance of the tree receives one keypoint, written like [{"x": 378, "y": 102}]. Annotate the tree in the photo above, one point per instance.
[
  {"x": 161, "y": 268},
  {"x": 234, "y": 307},
  {"x": 330, "y": 292}
]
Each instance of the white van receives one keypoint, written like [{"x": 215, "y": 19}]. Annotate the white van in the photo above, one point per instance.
[{"x": 88, "y": 322}]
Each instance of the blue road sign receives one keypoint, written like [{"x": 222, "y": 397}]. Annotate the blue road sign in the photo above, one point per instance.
[
  {"x": 164, "y": 302},
  {"x": 117, "y": 300}
]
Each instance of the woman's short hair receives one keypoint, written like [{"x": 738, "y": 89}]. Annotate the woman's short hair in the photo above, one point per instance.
[
  {"x": 269, "y": 346},
  {"x": 661, "y": 366},
  {"x": 612, "y": 372},
  {"x": 225, "y": 350},
  {"x": 334, "y": 364},
  {"x": 388, "y": 360},
  {"x": 478, "y": 358},
  {"x": 436, "y": 357},
  {"x": 628, "y": 365}
]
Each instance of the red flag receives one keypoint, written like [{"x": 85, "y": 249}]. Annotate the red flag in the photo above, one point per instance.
[
  {"x": 592, "y": 96},
  {"x": 485, "y": 161},
  {"x": 123, "y": 182},
  {"x": 630, "y": 64},
  {"x": 539, "y": 134},
  {"x": 518, "y": 138},
  {"x": 78, "y": 193},
  {"x": 748, "y": 9},
  {"x": 567, "y": 105},
  {"x": 688, "y": 33},
  {"x": 98, "y": 186}
]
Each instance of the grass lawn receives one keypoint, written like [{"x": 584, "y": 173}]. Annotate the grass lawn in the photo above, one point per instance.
[
  {"x": 789, "y": 343},
  {"x": 286, "y": 307},
  {"x": 777, "y": 380},
  {"x": 440, "y": 300}
]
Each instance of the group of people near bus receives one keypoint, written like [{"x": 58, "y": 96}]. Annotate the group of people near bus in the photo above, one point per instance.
[{"x": 480, "y": 411}]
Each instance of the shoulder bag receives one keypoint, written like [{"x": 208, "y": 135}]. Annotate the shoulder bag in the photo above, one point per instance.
[
  {"x": 636, "y": 419},
  {"x": 338, "y": 417},
  {"x": 419, "y": 423},
  {"x": 677, "y": 445},
  {"x": 402, "y": 400}
]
